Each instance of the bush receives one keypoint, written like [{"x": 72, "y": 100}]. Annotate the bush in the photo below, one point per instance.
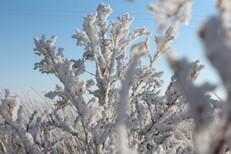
[{"x": 121, "y": 109}]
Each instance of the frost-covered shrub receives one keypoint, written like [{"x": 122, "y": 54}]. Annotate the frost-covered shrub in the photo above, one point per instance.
[
  {"x": 121, "y": 109},
  {"x": 125, "y": 111}
]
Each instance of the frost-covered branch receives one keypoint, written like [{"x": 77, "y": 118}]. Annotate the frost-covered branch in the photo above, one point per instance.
[{"x": 123, "y": 107}]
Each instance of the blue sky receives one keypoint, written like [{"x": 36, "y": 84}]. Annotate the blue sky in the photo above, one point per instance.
[{"x": 22, "y": 20}]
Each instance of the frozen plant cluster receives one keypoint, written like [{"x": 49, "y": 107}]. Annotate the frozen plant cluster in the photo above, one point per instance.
[
  {"x": 125, "y": 111},
  {"x": 121, "y": 108},
  {"x": 211, "y": 118}
]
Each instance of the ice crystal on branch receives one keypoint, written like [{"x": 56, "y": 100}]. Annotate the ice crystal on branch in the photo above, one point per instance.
[
  {"x": 171, "y": 9},
  {"x": 121, "y": 109},
  {"x": 150, "y": 119}
]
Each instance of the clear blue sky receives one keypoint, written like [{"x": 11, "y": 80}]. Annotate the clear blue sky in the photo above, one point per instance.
[{"x": 22, "y": 20}]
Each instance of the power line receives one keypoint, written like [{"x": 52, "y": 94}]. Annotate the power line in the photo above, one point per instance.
[
  {"x": 80, "y": 12},
  {"x": 55, "y": 13},
  {"x": 66, "y": 11},
  {"x": 74, "y": 14}
]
